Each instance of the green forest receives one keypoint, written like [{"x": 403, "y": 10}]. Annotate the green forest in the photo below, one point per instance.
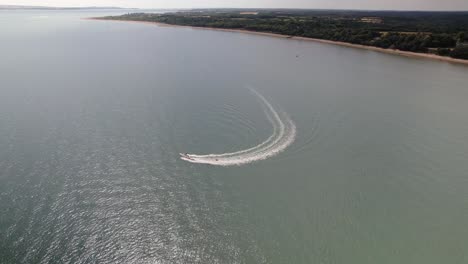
[{"x": 441, "y": 33}]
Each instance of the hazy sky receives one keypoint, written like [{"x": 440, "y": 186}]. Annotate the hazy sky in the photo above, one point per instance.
[{"x": 339, "y": 4}]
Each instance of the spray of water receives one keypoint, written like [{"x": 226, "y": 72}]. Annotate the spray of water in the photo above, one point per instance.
[{"x": 283, "y": 135}]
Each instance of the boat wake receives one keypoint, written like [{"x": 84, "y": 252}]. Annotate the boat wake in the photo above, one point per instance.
[{"x": 284, "y": 133}]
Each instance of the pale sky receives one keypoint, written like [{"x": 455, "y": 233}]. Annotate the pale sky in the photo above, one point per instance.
[{"x": 331, "y": 4}]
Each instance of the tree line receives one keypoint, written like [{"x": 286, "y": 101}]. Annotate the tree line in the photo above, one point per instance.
[{"x": 442, "y": 33}]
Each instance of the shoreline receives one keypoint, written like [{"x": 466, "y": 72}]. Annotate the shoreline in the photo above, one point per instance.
[{"x": 275, "y": 35}]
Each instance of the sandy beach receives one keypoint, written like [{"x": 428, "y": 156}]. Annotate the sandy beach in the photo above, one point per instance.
[{"x": 345, "y": 44}]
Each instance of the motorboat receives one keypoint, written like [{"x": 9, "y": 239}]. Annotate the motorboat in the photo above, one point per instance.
[{"x": 185, "y": 156}]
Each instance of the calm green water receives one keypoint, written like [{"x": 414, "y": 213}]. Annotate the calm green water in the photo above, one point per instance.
[{"x": 93, "y": 115}]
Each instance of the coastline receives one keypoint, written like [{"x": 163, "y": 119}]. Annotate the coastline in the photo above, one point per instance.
[{"x": 339, "y": 43}]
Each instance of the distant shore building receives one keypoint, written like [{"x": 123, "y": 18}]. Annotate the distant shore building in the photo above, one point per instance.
[
  {"x": 248, "y": 13},
  {"x": 372, "y": 20}
]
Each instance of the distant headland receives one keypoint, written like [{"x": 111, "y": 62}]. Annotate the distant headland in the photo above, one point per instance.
[{"x": 435, "y": 35}]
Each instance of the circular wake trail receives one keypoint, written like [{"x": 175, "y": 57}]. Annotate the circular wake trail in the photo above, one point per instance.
[{"x": 284, "y": 133}]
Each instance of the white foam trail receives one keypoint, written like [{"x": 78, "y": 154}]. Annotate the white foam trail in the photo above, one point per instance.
[{"x": 284, "y": 133}]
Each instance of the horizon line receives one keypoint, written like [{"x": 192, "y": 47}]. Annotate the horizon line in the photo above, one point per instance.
[{"x": 219, "y": 8}]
